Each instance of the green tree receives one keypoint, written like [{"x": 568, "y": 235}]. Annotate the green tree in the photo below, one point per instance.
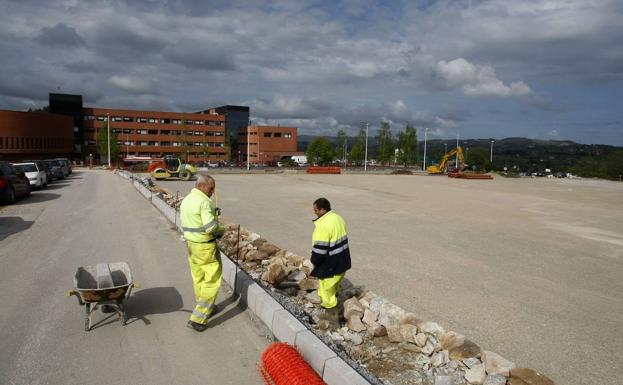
[
  {"x": 102, "y": 144},
  {"x": 407, "y": 145},
  {"x": 182, "y": 139},
  {"x": 614, "y": 164},
  {"x": 385, "y": 141},
  {"x": 478, "y": 158},
  {"x": 340, "y": 144},
  {"x": 320, "y": 151},
  {"x": 205, "y": 148},
  {"x": 357, "y": 152}
]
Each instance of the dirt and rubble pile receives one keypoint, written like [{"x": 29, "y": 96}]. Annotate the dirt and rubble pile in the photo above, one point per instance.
[{"x": 393, "y": 344}]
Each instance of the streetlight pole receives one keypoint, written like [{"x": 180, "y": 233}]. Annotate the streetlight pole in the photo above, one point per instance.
[
  {"x": 491, "y": 153},
  {"x": 108, "y": 119},
  {"x": 425, "y": 135},
  {"x": 365, "y": 162},
  {"x": 248, "y": 143}
]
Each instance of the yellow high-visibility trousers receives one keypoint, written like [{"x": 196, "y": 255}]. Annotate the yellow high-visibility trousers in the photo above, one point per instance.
[
  {"x": 206, "y": 270},
  {"x": 327, "y": 290}
]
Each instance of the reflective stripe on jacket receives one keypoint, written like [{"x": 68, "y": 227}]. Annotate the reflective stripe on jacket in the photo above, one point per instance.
[
  {"x": 198, "y": 217},
  {"x": 330, "y": 253}
]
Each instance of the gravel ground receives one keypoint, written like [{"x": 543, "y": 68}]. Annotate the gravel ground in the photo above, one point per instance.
[{"x": 529, "y": 268}]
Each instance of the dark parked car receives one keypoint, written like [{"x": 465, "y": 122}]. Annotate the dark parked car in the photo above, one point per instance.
[
  {"x": 13, "y": 183},
  {"x": 55, "y": 169},
  {"x": 66, "y": 165}
]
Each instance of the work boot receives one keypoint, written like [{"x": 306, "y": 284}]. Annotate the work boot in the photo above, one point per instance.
[
  {"x": 330, "y": 318},
  {"x": 196, "y": 326}
]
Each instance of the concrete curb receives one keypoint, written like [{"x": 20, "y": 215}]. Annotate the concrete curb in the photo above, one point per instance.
[{"x": 284, "y": 326}]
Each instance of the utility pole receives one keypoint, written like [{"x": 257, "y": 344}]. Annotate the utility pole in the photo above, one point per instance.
[
  {"x": 365, "y": 162},
  {"x": 248, "y": 143},
  {"x": 425, "y": 135},
  {"x": 108, "y": 119},
  {"x": 491, "y": 153}
]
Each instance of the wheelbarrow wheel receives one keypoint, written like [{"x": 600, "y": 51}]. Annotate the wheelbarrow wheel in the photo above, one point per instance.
[{"x": 87, "y": 319}]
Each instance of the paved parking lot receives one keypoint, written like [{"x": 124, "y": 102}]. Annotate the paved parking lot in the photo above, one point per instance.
[
  {"x": 91, "y": 217},
  {"x": 529, "y": 268}
]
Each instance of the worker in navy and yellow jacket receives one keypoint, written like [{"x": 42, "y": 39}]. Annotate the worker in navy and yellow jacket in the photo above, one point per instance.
[
  {"x": 199, "y": 219},
  {"x": 330, "y": 257}
]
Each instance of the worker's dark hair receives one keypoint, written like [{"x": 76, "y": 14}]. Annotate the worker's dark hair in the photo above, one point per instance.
[{"x": 323, "y": 203}]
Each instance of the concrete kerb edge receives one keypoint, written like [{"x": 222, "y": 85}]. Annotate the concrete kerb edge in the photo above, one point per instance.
[{"x": 282, "y": 324}]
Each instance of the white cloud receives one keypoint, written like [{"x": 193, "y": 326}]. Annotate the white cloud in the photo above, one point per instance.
[
  {"x": 476, "y": 80},
  {"x": 132, "y": 84}
]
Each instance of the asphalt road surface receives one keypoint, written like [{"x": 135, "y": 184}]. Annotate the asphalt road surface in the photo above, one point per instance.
[
  {"x": 529, "y": 268},
  {"x": 95, "y": 216}
]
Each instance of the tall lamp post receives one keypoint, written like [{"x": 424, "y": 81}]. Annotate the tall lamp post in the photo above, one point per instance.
[
  {"x": 425, "y": 135},
  {"x": 108, "y": 119},
  {"x": 491, "y": 153},
  {"x": 365, "y": 162},
  {"x": 248, "y": 143}
]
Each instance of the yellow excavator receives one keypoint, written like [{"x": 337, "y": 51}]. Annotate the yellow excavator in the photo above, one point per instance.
[{"x": 441, "y": 168}]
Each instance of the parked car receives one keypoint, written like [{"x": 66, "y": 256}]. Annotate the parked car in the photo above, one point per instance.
[
  {"x": 13, "y": 183},
  {"x": 42, "y": 165},
  {"x": 67, "y": 163},
  {"x": 36, "y": 175},
  {"x": 63, "y": 165},
  {"x": 55, "y": 169}
]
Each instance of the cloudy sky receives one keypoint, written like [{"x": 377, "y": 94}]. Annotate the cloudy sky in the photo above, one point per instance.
[{"x": 547, "y": 69}]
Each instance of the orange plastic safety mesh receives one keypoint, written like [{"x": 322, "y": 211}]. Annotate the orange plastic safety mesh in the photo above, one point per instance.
[{"x": 285, "y": 366}]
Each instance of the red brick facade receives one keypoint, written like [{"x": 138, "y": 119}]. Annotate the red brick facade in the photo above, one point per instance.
[
  {"x": 35, "y": 135},
  {"x": 267, "y": 144},
  {"x": 153, "y": 133}
]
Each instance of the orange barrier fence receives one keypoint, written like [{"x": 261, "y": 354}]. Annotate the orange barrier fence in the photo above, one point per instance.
[
  {"x": 283, "y": 365},
  {"x": 324, "y": 170}
]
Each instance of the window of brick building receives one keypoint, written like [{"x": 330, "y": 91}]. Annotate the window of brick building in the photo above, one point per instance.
[
  {"x": 268, "y": 134},
  {"x": 287, "y": 135},
  {"x": 277, "y": 134}
]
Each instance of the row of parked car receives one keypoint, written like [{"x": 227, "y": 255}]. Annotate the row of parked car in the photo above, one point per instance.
[{"x": 20, "y": 178}]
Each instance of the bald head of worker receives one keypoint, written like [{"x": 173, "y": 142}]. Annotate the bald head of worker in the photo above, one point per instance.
[{"x": 205, "y": 184}]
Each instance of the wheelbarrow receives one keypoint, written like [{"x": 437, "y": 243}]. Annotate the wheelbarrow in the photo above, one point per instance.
[{"x": 107, "y": 285}]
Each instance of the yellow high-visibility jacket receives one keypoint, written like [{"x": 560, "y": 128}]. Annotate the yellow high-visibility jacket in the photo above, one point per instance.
[
  {"x": 199, "y": 218},
  {"x": 330, "y": 254}
]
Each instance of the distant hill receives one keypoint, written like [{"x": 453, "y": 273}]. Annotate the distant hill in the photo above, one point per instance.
[{"x": 528, "y": 155}]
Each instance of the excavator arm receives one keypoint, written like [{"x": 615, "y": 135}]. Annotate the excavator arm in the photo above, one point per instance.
[{"x": 441, "y": 168}]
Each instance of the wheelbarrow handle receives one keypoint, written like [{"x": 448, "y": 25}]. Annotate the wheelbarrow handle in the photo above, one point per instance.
[
  {"x": 73, "y": 292},
  {"x": 132, "y": 285}
]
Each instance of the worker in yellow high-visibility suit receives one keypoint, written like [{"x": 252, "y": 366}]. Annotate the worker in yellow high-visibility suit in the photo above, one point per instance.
[
  {"x": 199, "y": 220},
  {"x": 330, "y": 257}
]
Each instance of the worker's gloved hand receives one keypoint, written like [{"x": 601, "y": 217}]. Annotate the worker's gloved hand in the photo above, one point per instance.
[
  {"x": 217, "y": 211},
  {"x": 218, "y": 234}
]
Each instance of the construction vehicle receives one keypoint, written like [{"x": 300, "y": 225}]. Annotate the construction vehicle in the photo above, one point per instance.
[
  {"x": 171, "y": 166},
  {"x": 442, "y": 168}
]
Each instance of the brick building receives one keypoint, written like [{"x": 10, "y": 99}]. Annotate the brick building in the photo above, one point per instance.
[
  {"x": 267, "y": 144},
  {"x": 35, "y": 135},
  {"x": 70, "y": 130},
  {"x": 195, "y": 136}
]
